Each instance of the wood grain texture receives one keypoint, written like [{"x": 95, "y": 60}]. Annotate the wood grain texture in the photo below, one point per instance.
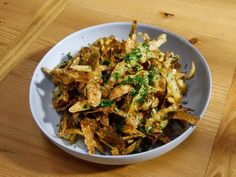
[
  {"x": 14, "y": 17},
  {"x": 24, "y": 151},
  {"x": 223, "y": 157},
  {"x": 13, "y": 55}
]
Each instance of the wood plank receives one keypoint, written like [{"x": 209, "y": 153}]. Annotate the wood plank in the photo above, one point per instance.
[
  {"x": 14, "y": 17},
  {"x": 208, "y": 20},
  {"x": 12, "y": 56},
  {"x": 223, "y": 158}
]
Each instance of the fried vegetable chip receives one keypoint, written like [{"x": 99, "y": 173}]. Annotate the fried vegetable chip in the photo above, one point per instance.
[
  {"x": 88, "y": 136},
  {"x": 182, "y": 115},
  {"x": 121, "y": 96}
]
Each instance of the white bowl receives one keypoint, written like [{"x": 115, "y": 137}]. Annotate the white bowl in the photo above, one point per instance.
[{"x": 47, "y": 119}]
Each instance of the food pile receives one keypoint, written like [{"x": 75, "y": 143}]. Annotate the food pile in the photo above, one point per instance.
[{"x": 123, "y": 96}]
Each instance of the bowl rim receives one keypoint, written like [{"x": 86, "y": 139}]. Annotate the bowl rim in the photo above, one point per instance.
[{"x": 175, "y": 141}]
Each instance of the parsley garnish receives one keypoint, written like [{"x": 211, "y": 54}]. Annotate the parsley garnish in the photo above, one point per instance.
[
  {"x": 134, "y": 55},
  {"x": 143, "y": 93},
  {"x": 152, "y": 75},
  {"x": 134, "y": 91},
  {"x": 106, "y": 103},
  {"x": 146, "y": 46},
  {"x": 129, "y": 80},
  {"x": 69, "y": 56},
  {"x": 138, "y": 67},
  {"x": 138, "y": 81},
  {"x": 116, "y": 75}
]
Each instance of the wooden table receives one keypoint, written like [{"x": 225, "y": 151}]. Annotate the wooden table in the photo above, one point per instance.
[{"x": 28, "y": 29}]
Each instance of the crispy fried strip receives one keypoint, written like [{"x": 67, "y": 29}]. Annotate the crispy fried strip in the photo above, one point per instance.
[
  {"x": 74, "y": 131},
  {"x": 98, "y": 145},
  {"x": 121, "y": 69},
  {"x": 145, "y": 36},
  {"x": 66, "y": 123},
  {"x": 80, "y": 106},
  {"x": 125, "y": 138},
  {"x": 46, "y": 70},
  {"x": 106, "y": 144},
  {"x": 97, "y": 110},
  {"x": 119, "y": 91},
  {"x": 132, "y": 147},
  {"x": 156, "y": 43},
  {"x": 119, "y": 112},
  {"x": 104, "y": 119},
  {"x": 192, "y": 71},
  {"x": 115, "y": 151},
  {"x": 84, "y": 68},
  {"x": 133, "y": 28},
  {"x": 93, "y": 90},
  {"x": 66, "y": 77},
  {"x": 182, "y": 115},
  {"x": 164, "y": 138},
  {"x": 88, "y": 136},
  {"x": 132, "y": 122}
]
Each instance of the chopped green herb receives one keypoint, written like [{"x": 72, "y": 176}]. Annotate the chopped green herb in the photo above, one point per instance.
[
  {"x": 142, "y": 94},
  {"x": 116, "y": 75},
  {"x": 106, "y": 103},
  {"x": 134, "y": 91},
  {"x": 146, "y": 46},
  {"x": 139, "y": 80},
  {"x": 138, "y": 67},
  {"x": 129, "y": 80},
  {"x": 69, "y": 56},
  {"x": 152, "y": 75},
  {"x": 128, "y": 66},
  {"x": 116, "y": 109},
  {"x": 134, "y": 55}
]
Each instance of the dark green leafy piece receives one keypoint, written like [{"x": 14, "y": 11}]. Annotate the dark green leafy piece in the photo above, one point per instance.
[
  {"x": 152, "y": 75},
  {"x": 106, "y": 103},
  {"x": 69, "y": 56},
  {"x": 146, "y": 46},
  {"x": 116, "y": 75},
  {"x": 143, "y": 94},
  {"x": 134, "y": 91},
  {"x": 134, "y": 55}
]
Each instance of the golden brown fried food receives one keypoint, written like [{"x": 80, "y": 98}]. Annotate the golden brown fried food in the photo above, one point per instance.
[{"x": 120, "y": 96}]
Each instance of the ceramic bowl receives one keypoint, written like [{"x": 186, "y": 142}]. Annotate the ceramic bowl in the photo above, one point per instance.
[{"x": 199, "y": 88}]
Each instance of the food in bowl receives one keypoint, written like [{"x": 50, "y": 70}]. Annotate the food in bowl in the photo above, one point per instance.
[{"x": 121, "y": 96}]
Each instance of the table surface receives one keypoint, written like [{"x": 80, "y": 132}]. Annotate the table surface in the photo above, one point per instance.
[{"x": 28, "y": 29}]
